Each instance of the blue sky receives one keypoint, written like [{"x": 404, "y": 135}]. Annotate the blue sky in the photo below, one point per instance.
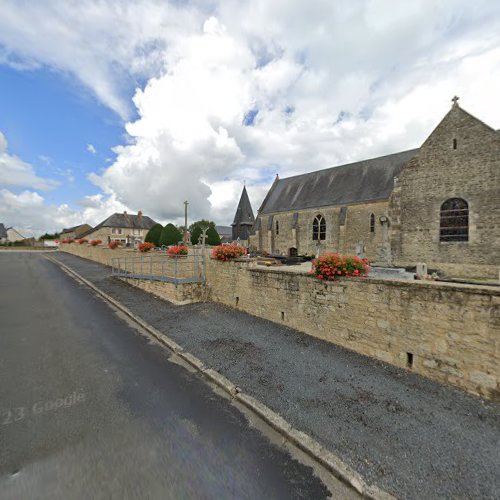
[
  {"x": 189, "y": 100},
  {"x": 49, "y": 120}
]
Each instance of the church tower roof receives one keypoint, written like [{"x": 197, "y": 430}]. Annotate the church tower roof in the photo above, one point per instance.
[{"x": 244, "y": 212}]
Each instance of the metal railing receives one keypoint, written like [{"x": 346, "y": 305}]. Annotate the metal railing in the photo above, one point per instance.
[{"x": 161, "y": 267}]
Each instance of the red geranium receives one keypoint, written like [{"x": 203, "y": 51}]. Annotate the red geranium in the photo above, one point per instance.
[
  {"x": 177, "y": 250},
  {"x": 146, "y": 246},
  {"x": 329, "y": 266},
  {"x": 83, "y": 240},
  {"x": 114, "y": 244},
  {"x": 228, "y": 252},
  {"x": 94, "y": 243}
]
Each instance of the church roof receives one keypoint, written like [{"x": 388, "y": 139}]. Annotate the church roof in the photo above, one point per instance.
[
  {"x": 244, "y": 212},
  {"x": 363, "y": 181}
]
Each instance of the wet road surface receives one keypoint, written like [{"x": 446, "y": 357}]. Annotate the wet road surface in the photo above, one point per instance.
[{"x": 92, "y": 408}]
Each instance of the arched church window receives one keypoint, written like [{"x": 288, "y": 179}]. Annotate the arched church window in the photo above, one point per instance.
[
  {"x": 277, "y": 227},
  {"x": 454, "y": 220},
  {"x": 372, "y": 223},
  {"x": 319, "y": 228}
]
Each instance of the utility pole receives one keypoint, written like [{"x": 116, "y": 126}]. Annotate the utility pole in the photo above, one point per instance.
[{"x": 185, "y": 220}]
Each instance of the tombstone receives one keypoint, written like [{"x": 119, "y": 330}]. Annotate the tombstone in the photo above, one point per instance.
[
  {"x": 292, "y": 252},
  {"x": 360, "y": 250},
  {"x": 421, "y": 269}
]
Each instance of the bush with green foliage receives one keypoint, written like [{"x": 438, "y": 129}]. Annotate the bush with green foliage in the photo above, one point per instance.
[
  {"x": 154, "y": 235},
  {"x": 213, "y": 237},
  {"x": 170, "y": 235},
  {"x": 196, "y": 230}
]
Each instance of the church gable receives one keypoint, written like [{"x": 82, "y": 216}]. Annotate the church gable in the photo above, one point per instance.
[{"x": 459, "y": 132}]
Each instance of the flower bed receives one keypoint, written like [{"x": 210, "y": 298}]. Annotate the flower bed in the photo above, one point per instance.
[
  {"x": 114, "y": 244},
  {"x": 94, "y": 243},
  {"x": 146, "y": 246},
  {"x": 68, "y": 241},
  {"x": 332, "y": 266},
  {"x": 228, "y": 252},
  {"x": 81, "y": 241},
  {"x": 177, "y": 251}
]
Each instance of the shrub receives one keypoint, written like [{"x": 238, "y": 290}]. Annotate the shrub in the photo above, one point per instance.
[
  {"x": 94, "y": 243},
  {"x": 330, "y": 266},
  {"x": 228, "y": 252},
  {"x": 146, "y": 246},
  {"x": 154, "y": 235},
  {"x": 213, "y": 237},
  {"x": 81, "y": 241},
  {"x": 170, "y": 235},
  {"x": 114, "y": 244},
  {"x": 177, "y": 250}
]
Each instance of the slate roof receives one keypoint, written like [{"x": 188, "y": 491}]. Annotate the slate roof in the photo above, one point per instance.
[
  {"x": 224, "y": 230},
  {"x": 3, "y": 231},
  {"x": 71, "y": 229},
  {"x": 127, "y": 221},
  {"x": 244, "y": 212},
  {"x": 363, "y": 181}
]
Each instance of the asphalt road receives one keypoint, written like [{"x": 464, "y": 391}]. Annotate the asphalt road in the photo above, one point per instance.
[
  {"x": 407, "y": 434},
  {"x": 92, "y": 408}
]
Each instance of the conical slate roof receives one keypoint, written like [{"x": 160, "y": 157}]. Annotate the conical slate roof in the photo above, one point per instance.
[{"x": 244, "y": 212}]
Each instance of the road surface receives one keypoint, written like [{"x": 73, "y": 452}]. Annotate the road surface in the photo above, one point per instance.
[{"x": 90, "y": 407}]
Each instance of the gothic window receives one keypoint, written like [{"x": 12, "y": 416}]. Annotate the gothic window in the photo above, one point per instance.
[
  {"x": 372, "y": 223},
  {"x": 319, "y": 228},
  {"x": 454, "y": 220},
  {"x": 277, "y": 228}
]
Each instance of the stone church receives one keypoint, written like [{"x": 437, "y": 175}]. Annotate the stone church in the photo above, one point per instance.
[{"x": 438, "y": 204}]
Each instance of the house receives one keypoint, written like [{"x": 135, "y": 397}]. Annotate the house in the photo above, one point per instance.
[
  {"x": 75, "y": 232},
  {"x": 126, "y": 228},
  {"x": 438, "y": 204},
  {"x": 9, "y": 234}
]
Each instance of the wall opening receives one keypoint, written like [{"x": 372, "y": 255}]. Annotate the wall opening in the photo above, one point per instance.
[
  {"x": 454, "y": 144},
  {"x": 282, "y": 316},
  {"x": 237, "y": 301},
  {"x": 409, "y": 360}
]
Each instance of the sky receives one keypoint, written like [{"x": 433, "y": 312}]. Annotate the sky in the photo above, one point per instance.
[{"x": 108, "y": 106}]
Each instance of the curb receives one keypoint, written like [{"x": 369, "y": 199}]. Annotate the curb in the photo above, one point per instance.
[{"x": 303, "y": 441}]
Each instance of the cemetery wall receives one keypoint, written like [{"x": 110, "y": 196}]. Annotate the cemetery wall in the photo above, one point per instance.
[{"x": 447, "y": 332}]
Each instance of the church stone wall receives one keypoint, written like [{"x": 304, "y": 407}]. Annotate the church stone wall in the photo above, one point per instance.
[
  {"x": 352, "y": 237},
  {"x": 439, "y": 172}
]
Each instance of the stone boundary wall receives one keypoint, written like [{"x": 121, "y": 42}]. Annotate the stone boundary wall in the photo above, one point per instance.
[{"x": 445, "y": 331}]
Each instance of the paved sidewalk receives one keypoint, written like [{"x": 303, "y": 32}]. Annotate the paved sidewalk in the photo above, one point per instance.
[{"x": 408, "y": 435}]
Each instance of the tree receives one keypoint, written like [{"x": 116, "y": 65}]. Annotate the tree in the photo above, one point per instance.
[
  {"x": 170, "y": 235},
  {"x": 154, "y": 234},
  {"x": 196, "y": 229},
  {"x": 213, "y": 237},
  {"x": 48, "y": 236}
]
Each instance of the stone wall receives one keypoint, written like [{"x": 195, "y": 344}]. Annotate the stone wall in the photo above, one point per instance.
[
  {"x": 447, "y": 332},
  {"x": 351, "y": 235},
  {"x": 460, "y": 159}
]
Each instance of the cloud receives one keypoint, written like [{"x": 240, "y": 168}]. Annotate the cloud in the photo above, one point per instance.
[
  {"x": 16, "y": 172},
  {"x": 238, "y": 91},
  {"x": 91, "y": 149}
]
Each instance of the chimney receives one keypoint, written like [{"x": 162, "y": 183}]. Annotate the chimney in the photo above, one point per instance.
[{"x": 139, "y": 214}]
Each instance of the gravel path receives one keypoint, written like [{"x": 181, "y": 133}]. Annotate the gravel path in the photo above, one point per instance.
[{"x": 409, "y": 435}]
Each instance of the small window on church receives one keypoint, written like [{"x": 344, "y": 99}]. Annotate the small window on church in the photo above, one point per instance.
[
  {"x": 319, "y": 228},
  {"x": 454, "y": 220},
  {"x": 372, "y": 223},
  {"x": 277, "y": 227}
]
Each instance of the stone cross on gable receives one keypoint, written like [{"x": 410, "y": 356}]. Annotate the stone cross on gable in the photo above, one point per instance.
[{"x": 455, "y": 100}]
